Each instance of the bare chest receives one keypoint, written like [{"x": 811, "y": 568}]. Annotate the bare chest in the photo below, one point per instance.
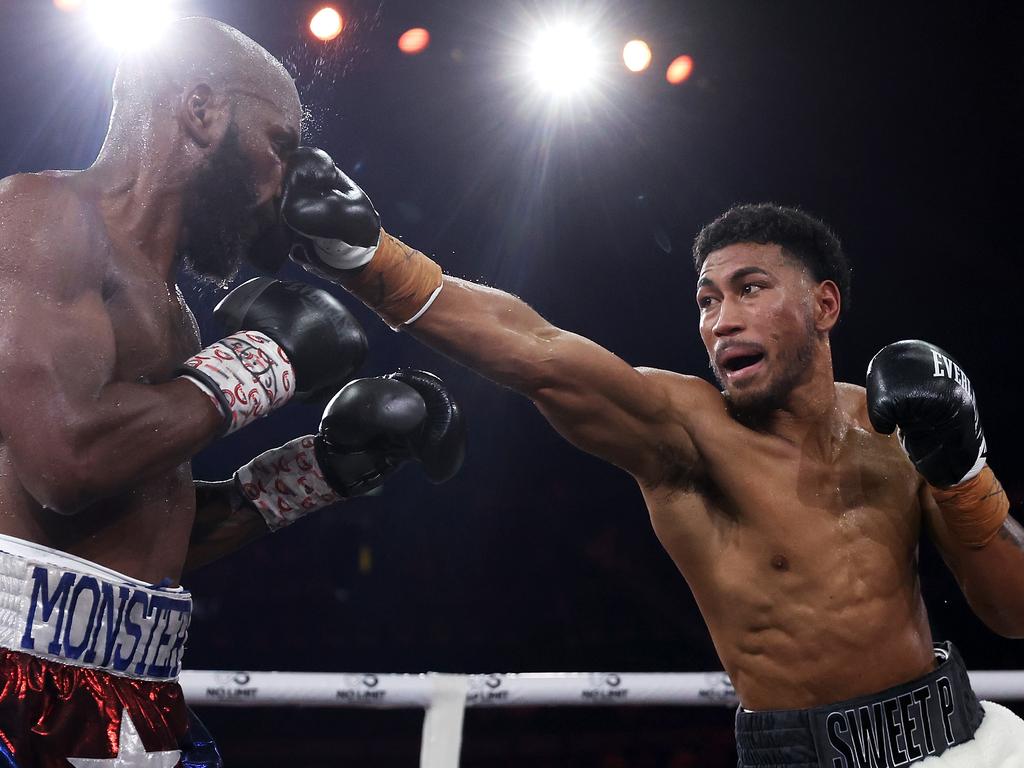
[
  {"x": 777, "y": 508},
  {"x": 154, "y": 330}
]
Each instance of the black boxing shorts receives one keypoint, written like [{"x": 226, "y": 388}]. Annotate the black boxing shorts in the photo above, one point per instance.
[{"x": 891, "y": 729}]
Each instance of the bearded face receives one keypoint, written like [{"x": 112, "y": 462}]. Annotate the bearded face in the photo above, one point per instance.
[{"x": 220, "y": 213}]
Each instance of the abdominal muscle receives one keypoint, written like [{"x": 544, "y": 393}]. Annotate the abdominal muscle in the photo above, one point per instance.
[
  {"x": 807, "y": 607},
  {"x": 788, "y": 643}
]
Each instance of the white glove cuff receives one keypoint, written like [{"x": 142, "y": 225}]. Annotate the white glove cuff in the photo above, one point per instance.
[
  {"x": 286, "y": 483},
  {"x": 340, "y": 255},
  {"x": 247, "y": 372},
  {"x": 979, "y": 463}
]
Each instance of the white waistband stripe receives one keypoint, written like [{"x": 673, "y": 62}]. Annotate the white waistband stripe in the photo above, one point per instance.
[{"x": 76, "y": 616}]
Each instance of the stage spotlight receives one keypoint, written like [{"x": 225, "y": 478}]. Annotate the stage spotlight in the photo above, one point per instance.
[
  {"x": 679, "y": 70},
  {"x": 563, "y": 59},
  {"x": 414, "y": 41},
  {"x": 68, "y": 5},
  {"x": 326, "y": 24},
  {"x": 636, "y": 55},
  {"x": 129, "y": 24}
]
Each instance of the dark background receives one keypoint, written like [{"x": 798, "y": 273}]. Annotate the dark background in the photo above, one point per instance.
[{"x": 896, "y": 123}]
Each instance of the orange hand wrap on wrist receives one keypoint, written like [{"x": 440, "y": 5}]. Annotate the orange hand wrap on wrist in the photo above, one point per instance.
[
  {"x": 398, "y": 282},
  {"x": 975, "y": 510}
]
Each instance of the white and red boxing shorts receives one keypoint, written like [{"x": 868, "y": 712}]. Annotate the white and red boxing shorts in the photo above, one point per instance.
[{"x": 89, "y": 660}]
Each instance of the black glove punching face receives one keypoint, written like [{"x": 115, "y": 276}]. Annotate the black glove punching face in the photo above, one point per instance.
[
  {"x": 336, "y": 226},
  {"x": 919, "y": 389}
]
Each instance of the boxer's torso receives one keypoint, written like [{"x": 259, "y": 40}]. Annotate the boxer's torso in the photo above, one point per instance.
[
  {"x": 143, "y": 324},
  {"x": 804, "y": 566}
]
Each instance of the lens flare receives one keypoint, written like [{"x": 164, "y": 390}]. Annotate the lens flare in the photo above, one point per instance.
[
  {"x": 563, "y": 59},
  {"x": 679, "y": 70},
  {"x": 414, "y": 41},
  {"x": 129, "y": 24},
  {"x": 636, "y": 55},
  {"x": 326, "y": 24}
]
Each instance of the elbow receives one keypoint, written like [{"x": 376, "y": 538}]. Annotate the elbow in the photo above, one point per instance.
[
  {"x": 1005, "y": 620},
  {"x": 1009, "y": 626},
  {"x": 63, "y": 484}
]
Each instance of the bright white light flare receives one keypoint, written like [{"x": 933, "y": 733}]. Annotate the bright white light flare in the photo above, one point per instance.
[
  {"x": 563, "y": 59},
  {"x": 129, "y": 24}
]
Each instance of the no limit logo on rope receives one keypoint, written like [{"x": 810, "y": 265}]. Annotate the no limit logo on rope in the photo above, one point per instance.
[
  {"x": 486, "y": 688},
  {"x": 605, "y": 686},
  {"x": 361, "y": 688},
  {"x": 233, "y": 686}
]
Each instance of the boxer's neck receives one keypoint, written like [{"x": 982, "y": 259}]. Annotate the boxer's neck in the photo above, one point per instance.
[
  {"x": 139, "y": 188},
  {"x": 811, "y": 416}
]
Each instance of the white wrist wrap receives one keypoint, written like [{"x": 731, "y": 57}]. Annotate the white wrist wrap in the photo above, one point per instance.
[
  {"x": 247, "y": 372},
  {"x": 286, "y": 483},
  {"x": 340, "y": 255}
]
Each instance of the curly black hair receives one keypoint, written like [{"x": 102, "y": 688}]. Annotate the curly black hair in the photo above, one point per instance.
[{"x": 802, "y": 237}]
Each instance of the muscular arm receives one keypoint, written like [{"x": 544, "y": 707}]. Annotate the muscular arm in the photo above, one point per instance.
[
  {"x": 626, "y": 416},
  {"x": 75, "y": 434},
  {"x": 223, "y": 523},
  {"x": 991, "y": 577}
]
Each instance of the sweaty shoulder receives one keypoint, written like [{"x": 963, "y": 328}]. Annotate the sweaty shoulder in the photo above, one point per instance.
[
  {"x": 687, "y": 407},
  {"x": 692, "y": 393},
  {"x": 48, "y": 233},
  {"x": 854, "y": 401}
]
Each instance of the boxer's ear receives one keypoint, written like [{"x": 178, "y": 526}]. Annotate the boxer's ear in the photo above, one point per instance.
[
  {"x": 827, "y": 304},
  {"x": 202, "y": 114}
]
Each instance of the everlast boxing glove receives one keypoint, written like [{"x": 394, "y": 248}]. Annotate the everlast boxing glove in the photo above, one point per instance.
[
  {"x": 919, "y": 389},
  {"x": 916, "y": 387}
]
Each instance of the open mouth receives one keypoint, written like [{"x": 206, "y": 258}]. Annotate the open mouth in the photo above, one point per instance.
[
  {"x": 740, "y": 361},
  {"x": 737, "y": 363}
]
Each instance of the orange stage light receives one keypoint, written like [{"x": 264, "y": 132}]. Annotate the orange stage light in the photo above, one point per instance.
[
  {"x": 414, "y": 41},
  {"x": 68, "y": 5},
  {"x": 679, "y": 70},
  {"x": 326, "y": 24}
]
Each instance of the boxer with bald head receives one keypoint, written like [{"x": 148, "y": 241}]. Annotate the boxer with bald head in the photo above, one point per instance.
[
  {"x": 783, "y": 496},
  {"x": 108, "y": 393}
]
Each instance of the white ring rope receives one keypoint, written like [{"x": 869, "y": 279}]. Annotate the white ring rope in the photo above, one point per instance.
[
  {"x": 445, "y": 697},
  {"x": 363, "y": 689}
]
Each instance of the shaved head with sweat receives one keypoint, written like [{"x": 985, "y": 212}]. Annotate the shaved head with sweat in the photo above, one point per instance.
[{"x": 203, "y": 122}]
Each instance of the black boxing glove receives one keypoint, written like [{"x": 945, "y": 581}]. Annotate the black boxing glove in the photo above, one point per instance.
[
  {"x": 369, "y": 430},
  {"x": 374, "y": 426},
  {"x": 918, "y": 388},
  {"x": 337, "y": 226},
  {"x": 285, "y": 340}
]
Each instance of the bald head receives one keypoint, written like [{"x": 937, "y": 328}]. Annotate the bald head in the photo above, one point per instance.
[
  {"x": 201, "y": 51},
  {"x": 209, "y": 116}
]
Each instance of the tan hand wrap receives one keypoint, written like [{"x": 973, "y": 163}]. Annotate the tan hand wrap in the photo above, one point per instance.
[
  {"x": 975, "y": 510},
  {"x": 397, "y": 283}
]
